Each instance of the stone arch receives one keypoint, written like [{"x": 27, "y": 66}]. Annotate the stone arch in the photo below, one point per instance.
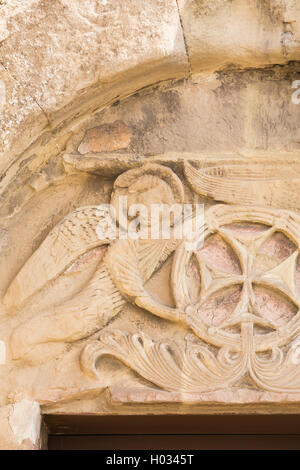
[{"x": 71, "y": 71}]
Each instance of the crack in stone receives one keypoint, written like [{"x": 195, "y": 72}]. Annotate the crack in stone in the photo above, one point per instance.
[
  {"x": 184, "y": 39},
  {"x": 287, "y": 37},
  {"x": 21, "y": 86}
]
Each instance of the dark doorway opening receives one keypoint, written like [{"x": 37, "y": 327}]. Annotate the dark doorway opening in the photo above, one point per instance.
[{"x": 173, "y": 432}]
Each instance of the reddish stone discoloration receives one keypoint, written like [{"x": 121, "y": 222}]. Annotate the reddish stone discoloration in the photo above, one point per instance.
[
  {"x": 90, "y": 257},
  {"x": 193, "y": 280},
  {"x": 218, "y": 253},
  {"x": 279, "y": 246},
  {"x": 274, "y": 306},
  {"x": 220, "y": 306},
  {"x": 245, "y": 227}
]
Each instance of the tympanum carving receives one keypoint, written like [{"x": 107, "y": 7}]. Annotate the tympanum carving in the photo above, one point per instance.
[{"x": 238, "y": 295}]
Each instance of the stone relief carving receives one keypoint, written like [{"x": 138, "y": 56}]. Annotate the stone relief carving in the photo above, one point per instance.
[
  {"x": 238, "y": 295},
  {"x": 260, "y": 183},
  {"x": 248, "y": 308},
  {"x": 101, "y": 299}
]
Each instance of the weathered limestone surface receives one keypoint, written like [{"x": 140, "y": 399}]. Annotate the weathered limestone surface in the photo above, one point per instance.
[
  {"x": 71, "y": 57},
  {"x": 66, "y": 59},
  {"x": 20, "y": 115},
  {"x": 239, "y": 32}
]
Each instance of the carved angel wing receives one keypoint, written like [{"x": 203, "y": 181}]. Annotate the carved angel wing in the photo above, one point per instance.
[
  {"x": 121, "y": 275},
  {"x": 255, "y": 183},
  {"x": 77, "y": 318},
  {"x": 73, "y": 236}
]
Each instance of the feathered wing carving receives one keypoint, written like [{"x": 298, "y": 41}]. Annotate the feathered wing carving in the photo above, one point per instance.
[
  {"x": 73, "y": 236},
  {"x": 131, "y": 264},
  {"x": 119, "y": 277},
  {"x": 78, "y": 232},
  {"x": 257, "y": 183},
  {"x": 77, "y": 318}
]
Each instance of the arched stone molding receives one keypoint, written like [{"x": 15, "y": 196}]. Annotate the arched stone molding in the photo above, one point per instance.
[{"x": 154, "y": 88}]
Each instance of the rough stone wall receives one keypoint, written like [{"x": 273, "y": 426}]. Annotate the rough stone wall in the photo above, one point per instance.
[{"x": 52, "y": 74}]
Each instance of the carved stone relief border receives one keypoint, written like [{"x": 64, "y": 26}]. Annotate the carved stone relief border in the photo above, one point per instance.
[{"x": 222, "y": 348}]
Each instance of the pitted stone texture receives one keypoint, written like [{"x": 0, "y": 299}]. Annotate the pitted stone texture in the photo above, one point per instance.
[
  {"x": 10, "y": 8},
  {"x": 68, "y": 58},
  {"x": 240, "y": 33},
  {"x": 66, "y": 47}
]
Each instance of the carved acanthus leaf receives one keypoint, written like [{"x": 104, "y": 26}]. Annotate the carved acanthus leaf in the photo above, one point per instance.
[{"x": 190, "y": 367}]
